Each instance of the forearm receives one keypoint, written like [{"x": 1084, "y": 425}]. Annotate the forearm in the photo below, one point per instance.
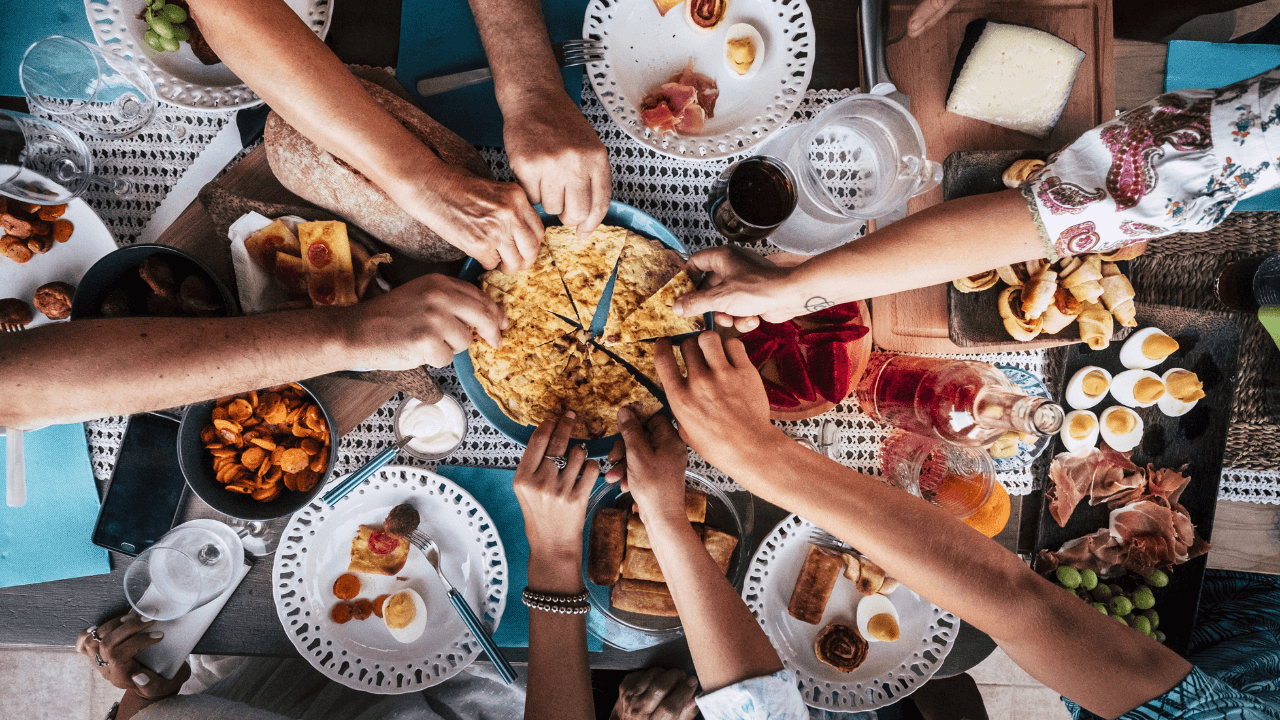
[
  {"x": 726, "y": 642},
  {"x": 269, "y": 47},
  {"x": 936, "y": 245},
  {"x": 1061, "y": 641},
  {"x": 519, "y": 51},
  {"x": 93, "y": 368},
  {"x": 131, "y": 704},
  {"x": 559, "y": 682}
]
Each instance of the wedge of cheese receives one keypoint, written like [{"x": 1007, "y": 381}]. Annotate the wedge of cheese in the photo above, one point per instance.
[{"x": 1013, "y": 76}]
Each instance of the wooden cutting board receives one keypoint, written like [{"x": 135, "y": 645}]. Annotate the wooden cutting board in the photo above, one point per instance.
[{"x": 916, "y": 321}]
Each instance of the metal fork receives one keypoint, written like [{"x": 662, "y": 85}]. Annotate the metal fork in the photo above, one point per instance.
[
  {"x": 15, "y": 464},
  {"x": 822, "y": 538},
  {"x": 569, "y": 53},
  {"x": 423, "y": 542}
]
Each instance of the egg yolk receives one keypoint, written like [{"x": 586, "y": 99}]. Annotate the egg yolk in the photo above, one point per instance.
[
  {"x": 742, "y": 53},
  {"x": 1185, "y": 386},
  {"x": 1158, "y": 346},
  {"x": 1081, "y": 426},
  {"x": 1148, "y": 390},
  {"x": 883, "y": 627},
  {"x": 399, "y": 611},
  {"x": 1121, "y": 422},
  {"x": 1094, "y": 384}
]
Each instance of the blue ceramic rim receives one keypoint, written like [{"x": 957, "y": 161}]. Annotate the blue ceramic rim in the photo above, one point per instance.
[{"x": 1027, "y": 454}]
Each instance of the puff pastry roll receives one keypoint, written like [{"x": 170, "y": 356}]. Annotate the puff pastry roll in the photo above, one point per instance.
[
  {"x": 1096, "y": 327},
  {"x": 1117, "y": 295}
]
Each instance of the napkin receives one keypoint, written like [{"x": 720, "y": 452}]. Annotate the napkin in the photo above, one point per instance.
[
  {"x": 36, "y": 22},
  {"x": 259, "y": 292},
  {"x": 493, "y": 489},
  {"x": 182, "y": 634},
  {"x": 439, "y": 37},
  {"x": 50, "y": 537},
  {"x": 1213, "y": 65}
]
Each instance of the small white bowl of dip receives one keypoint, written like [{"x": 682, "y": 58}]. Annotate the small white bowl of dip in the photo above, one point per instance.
[{"x": 437, "y": 430}]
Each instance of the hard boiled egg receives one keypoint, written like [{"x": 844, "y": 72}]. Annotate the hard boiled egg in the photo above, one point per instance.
[
  {"x": 743, "y": 51},
  {"x": 1137, "y": 388},
  {"x": 1121, "y": 428},
  {"x": 1184, "y": 391},
  {"x": 1079, "y": 430},
  {"x": 1147, "y": 348},
  {"x": 878, "y": 619},
  {"x": 405, "y": 615},
  {"x": 1087, "y": 387}
]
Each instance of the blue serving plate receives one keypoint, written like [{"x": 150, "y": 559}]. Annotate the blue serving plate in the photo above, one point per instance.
[
  {"x": 1027, "y": 454},
  {"x": 619, "y": 215}
]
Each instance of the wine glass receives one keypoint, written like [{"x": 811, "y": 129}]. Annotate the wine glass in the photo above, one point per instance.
[
  {"x": 43, "y": 162},
  {"x": 98, "y": 93},
  {"x": 186, "y": 569}
]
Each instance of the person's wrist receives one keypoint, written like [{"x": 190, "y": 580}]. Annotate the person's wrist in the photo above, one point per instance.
[{"x": 555, "y": 571}]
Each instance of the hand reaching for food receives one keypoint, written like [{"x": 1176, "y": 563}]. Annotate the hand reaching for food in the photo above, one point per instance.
[
  {"x": 553, "y": 495},
  {"x": 927, "y": 14},
  {"x": 115, "y": 643},
  {"x": 656, "y": 694},
  {"x": 742, "y": 288},
  {"x": 425, "y": 321},
  {"x": 491, "y": 221},
  {"x": 651, "y": 460},
  {"x": 559, "y": 160}
]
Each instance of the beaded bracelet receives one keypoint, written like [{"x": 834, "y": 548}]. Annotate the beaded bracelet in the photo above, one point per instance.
[
  {"x": 561, "y": 604},
  {"x": 555, "y": 599},
  {"x": 581, "y": 609}
]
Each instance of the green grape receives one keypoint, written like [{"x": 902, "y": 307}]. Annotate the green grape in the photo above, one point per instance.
[
  {"x": 154, "y": 41},
  {"x": 174, "y": 14},
  {"x": 1143, "y": 599},
  {"x": 1158, "y": 578},
  {"x": 180, "y": 33},
  {"x": 1101, "y": 593},
  {"x": 1160, "y": 636},
  {"x": 156, "y": 5},
  {"x": 163, "y": 27},
  {"x": 1153, "y": 616},
  {"x": 1119, "y": 619},
  {"x": 1121, "y": 605},
  {"x": 1088, "y": 579},
  {"x": 170, "y": 44},
  {"x": 1100, "y": 608},
  {"x": 1141, "y": 624},
  {"x": 1069, "y": 577}
]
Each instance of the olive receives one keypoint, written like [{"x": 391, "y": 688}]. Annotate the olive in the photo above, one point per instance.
[
  {"x": 174, "y": 14},
  {"x": 162, "y": 27},
  {"x": 180, "y": 33},
  {"x": 170, "y": 45},
  {"x": 154, "y": 41}
]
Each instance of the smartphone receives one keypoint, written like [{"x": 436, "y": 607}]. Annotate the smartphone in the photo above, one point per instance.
[{"x": 145, "y": 494}]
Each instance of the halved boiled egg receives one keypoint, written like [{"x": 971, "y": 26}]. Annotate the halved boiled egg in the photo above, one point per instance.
[
  {"x": 1079, "y": 430},
  {"x": 1121, "y": 428},
  {"x": 405, "y": 615},
  {"x": 1137, "y": 388},
  {"x": 1184, "y": 391},
  {"x": 1147, "y": 348},
  {"x": 1087, "y": 387},
  {"x": 743, "y": 50},
  {"x": 878, "y": 619}
]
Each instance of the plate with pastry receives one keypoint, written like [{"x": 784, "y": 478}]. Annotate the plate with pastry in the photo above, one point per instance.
[
  {"x": 701, "y": 79},
  {"x": 583, "y": 320},
  {"x": 854, "y": 638},
  {"x": 631, "y": 607},
  {"x": 364, "y": 606}
]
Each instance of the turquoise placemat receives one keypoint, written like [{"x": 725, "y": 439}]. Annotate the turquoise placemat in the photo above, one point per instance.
[
  {"x": 25, "y": 22},
  {"x": 1213, "y": 65},
  {"x": 49, "y": 537},
  {"x": 438, "y": 37},
  {"x": 493, "y": 489}
]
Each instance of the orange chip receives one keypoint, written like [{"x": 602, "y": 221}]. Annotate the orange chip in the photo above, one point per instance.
[
  {"x": 294, "y": 460},
  {"x": 275, "y": 475},
  {"x": 252, "y": 397},
  {"x": 213, "y": 445},
  {"x": 266, "y": 494},
  {"x": 291, "y": 481},
  {"x": 219, "y": 413},
  {"x": 222, "y": 452},
  {"x": 313, "y": 417},
  {"x": 253, "y": 457},
  {"x": 311, "y": 445},
  {"x": 208, "y": 433},
  {"x": 263, "y": 443},
  {"x": 319, "y": 463},
  {"x": 227, "y": 425},
  {"x": 239, "y": 489},
  {"x": 300, "y": 430},
  {"x": 307, "y": 480},
  {"x": 239, "y": 410}
]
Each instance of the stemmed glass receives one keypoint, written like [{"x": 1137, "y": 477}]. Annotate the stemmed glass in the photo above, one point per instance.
[
  {"x": 186, "y": 569},
  {"x": 92, "y": 91},
  {"x": 43, "y": 162}
]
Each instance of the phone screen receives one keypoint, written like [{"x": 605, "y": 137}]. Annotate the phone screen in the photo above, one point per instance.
[{"x": 146, "y": 488}]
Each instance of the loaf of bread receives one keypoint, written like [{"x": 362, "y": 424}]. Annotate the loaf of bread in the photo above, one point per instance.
[
  {"x": 643, "y": 597},
  {"x": 607, "y": 546},
  {"x": 641, "y": 564},
  {"x": 317, "y": 176},
  {"x": 814, "y": 584},
  {"x": 720, "y": 547}
]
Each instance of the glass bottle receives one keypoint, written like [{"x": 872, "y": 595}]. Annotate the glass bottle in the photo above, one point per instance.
[{"x": 963, "y": 402}]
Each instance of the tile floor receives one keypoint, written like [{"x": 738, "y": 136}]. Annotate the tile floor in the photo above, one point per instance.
[{"x": 1011, "y": 694}]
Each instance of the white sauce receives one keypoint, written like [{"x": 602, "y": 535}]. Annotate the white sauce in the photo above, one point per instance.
[{"x": 435, "y": 428}]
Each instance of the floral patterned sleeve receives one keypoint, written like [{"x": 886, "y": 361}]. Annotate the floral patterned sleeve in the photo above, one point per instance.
[
  {"x": 1179, "y": 163},
  {"x": 772, "y": 697}
]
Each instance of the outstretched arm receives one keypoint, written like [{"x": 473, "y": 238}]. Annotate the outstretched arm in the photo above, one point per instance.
[
  {"x": 273, "y": 52},
  {"x": 1062, "y": 642}
]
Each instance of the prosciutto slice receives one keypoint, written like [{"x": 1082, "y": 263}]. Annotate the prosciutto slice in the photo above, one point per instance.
[
  {"x": 681, "y": 105},
  {"x": 1139, "y": 538},
  {"x": 1070, "y": 478}
]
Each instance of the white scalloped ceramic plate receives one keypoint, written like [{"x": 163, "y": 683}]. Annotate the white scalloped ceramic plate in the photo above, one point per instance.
[
  {"x": 180, "y": 78},
  {"x": 643, "y": 49},
  {"x": 361, "y": 654},
  {"x": 891, "y": 671}
]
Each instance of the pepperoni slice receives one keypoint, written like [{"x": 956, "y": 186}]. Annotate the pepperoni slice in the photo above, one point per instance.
[
  {"x": 319, "y": 255},
  {"x": 323, "y": 292},
  {"x": 381, "y": 543}
]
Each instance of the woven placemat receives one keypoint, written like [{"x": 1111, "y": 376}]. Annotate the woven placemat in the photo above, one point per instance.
[{"x": 1181, "y": 270}]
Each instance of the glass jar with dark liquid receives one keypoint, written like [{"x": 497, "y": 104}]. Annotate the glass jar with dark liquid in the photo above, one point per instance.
[
  {"x": 752, "y": 198},
  {"x": 1246, "y": 285}
]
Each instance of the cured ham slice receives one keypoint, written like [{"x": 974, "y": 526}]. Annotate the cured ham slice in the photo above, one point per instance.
[
  {"x": 1070, "y": 477},
  {"x": 692, "y": 120},
  {"x": 1166, "y": 483},
  {"x": 681, "y": 105},
  {"x": 660, "y": 118},
  {"x": 1139, "y": 538}
]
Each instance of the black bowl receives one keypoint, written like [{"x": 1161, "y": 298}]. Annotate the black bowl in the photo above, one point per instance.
[
  {"x": 120, "y": 269},
  {"x": 197, "y": 468}
]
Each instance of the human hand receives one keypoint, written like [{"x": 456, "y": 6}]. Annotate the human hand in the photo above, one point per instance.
[
  {"x": 121, "y": 639},
  {"x": 425, "y": 321},
  {"x": 927, "y": 14},
  {"x": 650, "y": 462},
  {"x": 656, "y": 694},
  {"x": 491, "y": 221},
  {"x": 554, "y": 501},
  {"x": 742, "y": 286},
  {"x": 720, "y": 402},
  {"x": 558, "y": 159}
]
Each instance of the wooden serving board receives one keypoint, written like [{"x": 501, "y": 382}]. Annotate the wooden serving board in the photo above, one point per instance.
[{"x": 916, "y": 320}]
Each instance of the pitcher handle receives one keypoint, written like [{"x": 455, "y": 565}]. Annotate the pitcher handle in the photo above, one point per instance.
[{"x": 926, "y": 173}]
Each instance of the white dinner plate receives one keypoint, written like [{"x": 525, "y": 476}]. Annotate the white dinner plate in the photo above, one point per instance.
[
  {"x": 180, "y": 78},
  {"x": 891, "y": 671},
  {"x": 361, "y": 654},
  {"x": 66, "y": 262},
  {"x": 644, "y": 49}
]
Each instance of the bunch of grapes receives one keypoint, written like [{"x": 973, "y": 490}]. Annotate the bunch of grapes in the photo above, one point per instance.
[
  {"x": 164, "y": 26},
  {"x": 1134, "y": 608}
]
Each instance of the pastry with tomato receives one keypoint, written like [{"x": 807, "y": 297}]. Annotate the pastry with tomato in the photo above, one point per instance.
[{"x": 384, "y": 551}]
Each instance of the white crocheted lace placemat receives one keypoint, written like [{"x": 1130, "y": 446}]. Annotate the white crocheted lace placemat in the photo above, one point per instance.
[{"x": 671, "y": 190}]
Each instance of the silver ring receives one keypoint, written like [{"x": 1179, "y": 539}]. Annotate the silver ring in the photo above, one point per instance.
[
  {"x": 101, "y": 662},
  {"x": 559, "y": 460},
  {"x": 93, "y": 633}
]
